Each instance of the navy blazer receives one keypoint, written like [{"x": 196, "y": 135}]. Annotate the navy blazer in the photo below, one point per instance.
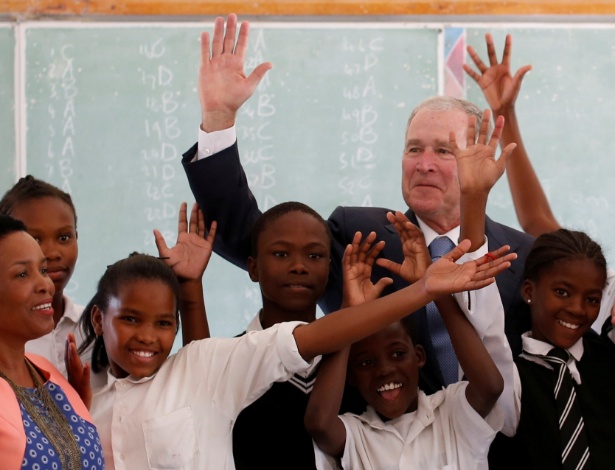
[{"x": 221, "y": 189}]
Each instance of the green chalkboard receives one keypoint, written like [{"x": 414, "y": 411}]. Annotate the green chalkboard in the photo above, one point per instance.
[
  {"x": 8, "y": 162},
  {"x": 110, "y": 109}
]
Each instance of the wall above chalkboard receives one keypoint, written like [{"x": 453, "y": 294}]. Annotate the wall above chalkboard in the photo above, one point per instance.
[{"x": 175, "y": 8}]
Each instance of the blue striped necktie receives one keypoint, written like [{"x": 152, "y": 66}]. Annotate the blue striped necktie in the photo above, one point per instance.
[
  {"x": 440, "y": 340},
  {"x": 575, "y": 451}
]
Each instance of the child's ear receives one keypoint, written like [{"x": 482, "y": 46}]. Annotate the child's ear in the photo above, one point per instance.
[
  {"x": 97, "y": 320},
  {"x": 252, "y": 269},
  {"x": 421, "y": 357},
  {"x": 527, "y": 291}
]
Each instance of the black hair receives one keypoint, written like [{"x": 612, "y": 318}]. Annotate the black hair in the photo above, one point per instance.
[
  {"x": 275, "y": 213},
  {"x": 409, "y": 325},
  {"x": 560, "y": 245},
  {"x": 9, "y": 225},
  {"x": 29, "y": 188},
  {"x": 134, "y": 268}
]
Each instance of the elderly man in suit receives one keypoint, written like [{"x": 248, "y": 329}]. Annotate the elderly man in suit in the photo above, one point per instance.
[{"x": 430, "y": 187}]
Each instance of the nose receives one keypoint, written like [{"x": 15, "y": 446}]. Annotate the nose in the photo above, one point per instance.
[
  {"x": 50, "y": 250},
  {"x": 45, "y": 285},
  {"x": 298, "y": 265},
  {"x": 576, "y": 305},
  {"x": 145, "y": 334},
  {"x": 426, "y": 160},
  {"x": 385, "y": 367}
]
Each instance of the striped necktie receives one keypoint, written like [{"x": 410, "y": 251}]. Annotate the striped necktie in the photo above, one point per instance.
[
  {"x": 440, "y": 340},
  {"x": 575, "y": 452}
]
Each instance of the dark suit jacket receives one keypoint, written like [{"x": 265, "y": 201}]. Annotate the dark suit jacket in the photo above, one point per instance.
[{"x": 221, "y": 189}]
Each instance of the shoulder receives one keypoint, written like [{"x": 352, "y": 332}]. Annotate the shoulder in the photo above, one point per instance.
[
  {"x": 505, "y": 235},
  {"x": 55, "y": 376},
  {"x": 359, "y": 217}
]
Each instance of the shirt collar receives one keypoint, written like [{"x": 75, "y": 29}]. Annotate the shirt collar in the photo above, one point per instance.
[
  {"x": 255, "y": 324},
  {"x": 538, "y": 347},
  {"x": 430, "y": 234}
]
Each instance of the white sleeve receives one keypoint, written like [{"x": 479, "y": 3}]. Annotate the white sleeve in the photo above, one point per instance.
[
  {"x": 608, "y": 299},
  {"x": 211, "y": 143},
  {"x": 485, "y": 311}
]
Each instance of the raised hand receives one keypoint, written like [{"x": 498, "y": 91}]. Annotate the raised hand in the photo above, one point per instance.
[
  {"x": 192, "y": 251},
  {"x": 223, "y": 84},
  {"x": 496, "y": 82},
  {"x": 78, "y": 374},
  {"x": 416, "y": 255},
  {"x": 446, "y": 277},
  {"x": 357, "y": 267},
  {"x": 477, "y": 167}
]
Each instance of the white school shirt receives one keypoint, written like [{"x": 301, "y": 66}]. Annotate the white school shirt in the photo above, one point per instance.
[
  {"x": 444, "y": 432},
  {"x": 182, "y": 417},
  {"x": 52, "y": 345}
]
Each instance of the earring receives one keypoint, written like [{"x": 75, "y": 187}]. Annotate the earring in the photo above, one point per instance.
[{"x": 529, "y": 301}]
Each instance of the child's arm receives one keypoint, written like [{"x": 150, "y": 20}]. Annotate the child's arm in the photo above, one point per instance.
[
  {"x": 478, "y": 173},
  {"x": 188, "y": 259},
  {"x": 485, "y": 383},
  {"x": 501, "y": 90},
  {"x": 321, "y": 414},
  {"x": 344, "y": 327}
]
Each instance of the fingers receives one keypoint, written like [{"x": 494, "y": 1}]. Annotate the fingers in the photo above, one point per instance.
[
  {"x": 507, "y": 50},
  {"x": 212, "y": 232},
  {"x": 217, "y": 45},
  {"x": 493, "y": 60},
  {"x": 205, "y": 53},
  {"x": 161, "y": 245},
  {"x": 182, "y": 220},
  {"x": 258, "y": 73},
  {"x": 389, "y": 265},
  {"x": 242, "y": 39},
  {"x": 518, "y": 78},
  {"x": 460, "y": 250},
  {"x": 229, "y": 35},
  {"x": 194, "y": 218},
  {"x": 483, "y": 133}
]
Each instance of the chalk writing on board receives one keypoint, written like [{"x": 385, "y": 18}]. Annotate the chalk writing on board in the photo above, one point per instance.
[
  {"x": 357, "y": 158},
  {"x": 160, "y": 128},
  {"x": 62, "y": 113}
]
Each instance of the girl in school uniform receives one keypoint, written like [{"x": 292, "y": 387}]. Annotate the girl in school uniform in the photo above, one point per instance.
[
  {"x": 49, "y": 214},
  {"x": 157, "y": 411},
  {"x": 564, "y": 360}
]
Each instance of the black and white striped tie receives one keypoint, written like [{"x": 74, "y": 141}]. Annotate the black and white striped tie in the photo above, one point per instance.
[{"x": 575, "y": 452}]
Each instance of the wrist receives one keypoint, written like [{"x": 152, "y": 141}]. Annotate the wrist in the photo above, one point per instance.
[{"x": 217, "y": 120}]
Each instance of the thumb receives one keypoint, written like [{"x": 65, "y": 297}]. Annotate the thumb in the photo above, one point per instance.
[
  {"x": 258, "y": 74},
  {"x": 161, "y": 245}
]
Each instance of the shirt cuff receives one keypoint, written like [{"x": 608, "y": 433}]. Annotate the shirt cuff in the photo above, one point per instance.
[{"x": 211, "y": 143}]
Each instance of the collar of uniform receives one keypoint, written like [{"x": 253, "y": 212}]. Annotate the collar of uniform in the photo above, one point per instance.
[
  {"x": 424, "y": 413},
  {"x": 430, "y": 234},
  {"x": 255, "y": 325},
  {"x": 538, "y": 347}
]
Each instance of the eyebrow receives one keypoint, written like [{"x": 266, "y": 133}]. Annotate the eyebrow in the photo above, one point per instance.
[{"x": 438, "y": 142}]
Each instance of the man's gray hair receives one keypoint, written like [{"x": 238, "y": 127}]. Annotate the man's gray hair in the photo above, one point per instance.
[{"x": 447, "y": 103}]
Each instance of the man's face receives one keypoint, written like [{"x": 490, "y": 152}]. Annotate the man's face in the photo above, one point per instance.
[{"x": 430, "y": 185}]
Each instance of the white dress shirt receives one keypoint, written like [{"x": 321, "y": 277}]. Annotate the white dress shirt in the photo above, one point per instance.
[
  {"x": 445, "y": 432},
  {"x": 182, "y": 417}
]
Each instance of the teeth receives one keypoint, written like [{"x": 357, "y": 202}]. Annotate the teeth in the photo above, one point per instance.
[
  {"x": 568, "y": 325},
  {"x": 391, "y": 386},
  {"x": 143, "y": 353},
  {"x": 42, "y": 307}
]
